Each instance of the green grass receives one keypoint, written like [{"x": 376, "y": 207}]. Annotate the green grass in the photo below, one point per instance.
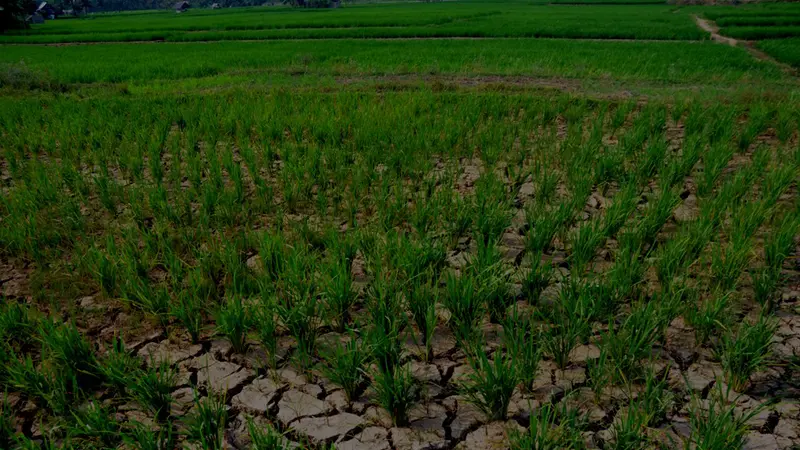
[
  {"x": 755, "y": 21},
  {"x": 784, "y": 50},
  {"x": 373, "y": 21},
  {"x": 265, "y": 18},
  {"x": 757, "y": 33},
  {"x": 761, "y": 21},
  {"x": 747, "y": 12},
  {"x": 699, "y": 63}
]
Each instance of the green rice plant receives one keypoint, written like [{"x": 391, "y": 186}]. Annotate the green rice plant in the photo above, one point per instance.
[
  {"x": 728, "y": 263},
  {"x": 265, "y": 326},
  {"x": 543, "y": 226},
  {"x": 397, "y": 392},
  {"x": 730, "y": 193},
  {"x": 422, "y": 300},
  {"x": 597, "y": 300},
  {"x": 714, "y": 161},
  {"x": 418, "y": 260},
  {"x": 391, "y": 204},
  {"x": 626, "y": 275},
  {"x": 673, "y": 257},
  {"x": 107, "y": 192},
  {"x": 656, "y": 398},
  {"x": 104, "y": 270},
  {"x": 600, "y": 372},
  {"x": 491, "y": 384},
  {"x": 385, "y": 342},
  {"x": 426, "y": 209},
  {"x": 551, "y": 428},
  {"x": 18, "y": 325},
  {"x": 188, "y": 310},
  {"x": 759, "y": 163},
  {"x": 492, "y": 212},
  {"x": 765, "y": 285},
  {"x": 631, "y": 344},
  {"x": 523, "y": 343},
  {"x": 678, "y": 168},
  {"x": 719, "y": 126},
  {"x": 778, "y": 244},
  {"x": 175, "y": 266},
  {"x": 746, "y": 219},
  {"x": 7, "y": 430},
  {"x": 234, "y": 321},
  {"x": 629, "y": 429},
  {"x": 632, "y": 142},
  {"x": 239, "y": 280},
  {"x": 545, "y": 184},
  {"x": 710, "y": 316},
  {"x": 652, "y": 161},
  {"x": 144, "y": 437},
  {"x": 462, "y": 213},
  {"x": 586, "y": 239},
  {"x": 314, "y": 238},
  {"x": 493, "y": 280},
  {"x": 783, "y": 124},
  {"x": 389, "y": 323},
  {"x": 265, "y": 437},
  {"x": 154, "y": 300},
  {"x": 609, "y": 167},
  {"x": 756, "y": 124},
  {"x": 655, "y": 215},
  {"x": 777, "y": 181},
  {"x": 205, "y": 424},
  {"x": 24, "y": 376},
  {"x": 48, "y": 442},
  {"x": 300, "y": 316},
  {"x": 537, "y": 279},
  {"x": 570, "y": 325},
  {"x": 94, "y": 423},
  {"x": 118, "y": 364},
  {"x": 466, "y": 307},
  {"x": 339, "y": 293},
  {"x": 152, "y": 388},
  {"x": 272, "y": 253},
  {"x": 346, "y": 366},
  {"x": 71, "y": 354},
  {"x": 716, "y": 424},
  {"x": 747, "y": 351},
  {"x": 343, "y": 247}
]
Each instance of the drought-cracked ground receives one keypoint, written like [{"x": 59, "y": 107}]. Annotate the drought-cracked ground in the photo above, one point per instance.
[{"x": 311, "y": 410}]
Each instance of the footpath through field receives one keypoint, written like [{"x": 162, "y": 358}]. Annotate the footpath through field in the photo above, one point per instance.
[{"x": 713, "y": 29}]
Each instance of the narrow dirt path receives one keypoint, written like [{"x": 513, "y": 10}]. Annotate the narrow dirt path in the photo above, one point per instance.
[
  {"x": 712, "y": 28},
  {"x": 750, "y": 46}
]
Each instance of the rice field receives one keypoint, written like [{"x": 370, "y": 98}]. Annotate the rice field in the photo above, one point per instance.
[
  {"x": 396, "y": 244},
  {"x": 767, "y": 22},
  {"x": 786, "y": 50},
  {"x": 702, "y": 62},
  {"x": 479, "y": 19}
]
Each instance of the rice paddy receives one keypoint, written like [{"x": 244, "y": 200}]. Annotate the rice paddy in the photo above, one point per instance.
[{"x": 400, "y": 243}]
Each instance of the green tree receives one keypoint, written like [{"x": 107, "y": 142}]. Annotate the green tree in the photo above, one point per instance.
[{"x": 12, "y": 14}]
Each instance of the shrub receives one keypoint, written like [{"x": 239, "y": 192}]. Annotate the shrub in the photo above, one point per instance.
[{"x": 20, "y": 76}]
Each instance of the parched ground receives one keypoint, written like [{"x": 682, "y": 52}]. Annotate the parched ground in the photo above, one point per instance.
[{"x": 311, "y": 409}]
